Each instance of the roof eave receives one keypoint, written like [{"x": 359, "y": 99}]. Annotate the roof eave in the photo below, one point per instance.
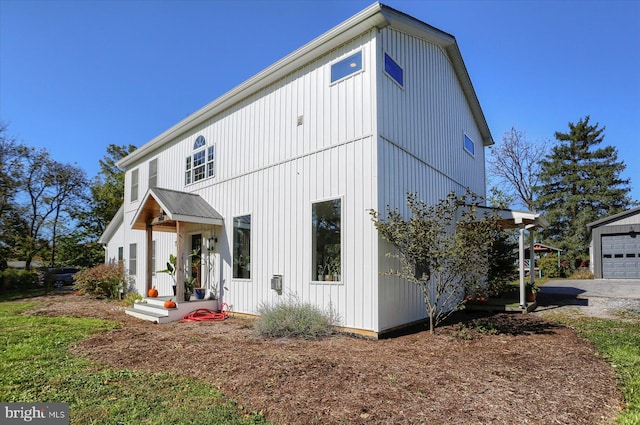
[{"x": 356, "y": 25}]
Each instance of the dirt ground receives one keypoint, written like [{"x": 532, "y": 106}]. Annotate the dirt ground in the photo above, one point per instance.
[{"x": 532, "y": 372}]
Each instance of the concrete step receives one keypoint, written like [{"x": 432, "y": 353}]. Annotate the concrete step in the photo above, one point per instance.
[
  {"x": 152, "y": 309},
  {"x": 147, "y": 315}
]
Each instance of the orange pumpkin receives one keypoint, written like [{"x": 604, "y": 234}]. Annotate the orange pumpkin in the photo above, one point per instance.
[
  {"x": 170, "y": 304},
  {"x": 153, "y": 292}
]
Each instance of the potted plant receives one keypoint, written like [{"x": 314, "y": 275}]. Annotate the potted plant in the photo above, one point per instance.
[
  {"x": 320, "y": 272},
  {"x": 188, "y": 287},
  {"x": 334, "y": 265},
  {"x": 531, "y": 292},
  {"x": 171, "y": 270}
]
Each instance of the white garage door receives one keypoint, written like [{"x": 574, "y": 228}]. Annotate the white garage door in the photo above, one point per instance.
[{"x": 621, "y": 257}]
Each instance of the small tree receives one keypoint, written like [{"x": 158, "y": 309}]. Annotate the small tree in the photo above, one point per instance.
[{"x": 444, "y": 249}]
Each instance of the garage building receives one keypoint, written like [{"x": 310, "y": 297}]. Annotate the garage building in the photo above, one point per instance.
[{"x": 615, "y": 246}]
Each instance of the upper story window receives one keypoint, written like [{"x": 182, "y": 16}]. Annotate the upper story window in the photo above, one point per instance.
[
  {"x": 393, "y": 70},
  {"x": 469, "y": 145},
  {"x": 201, "y": 163},
  {"x": 134, "y": 185},
  {"x": 153, "y": 172},
  {"x": 347, "y": 66}
]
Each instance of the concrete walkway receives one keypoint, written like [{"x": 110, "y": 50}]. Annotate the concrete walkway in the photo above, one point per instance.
[{"x": 607, "y": 288}]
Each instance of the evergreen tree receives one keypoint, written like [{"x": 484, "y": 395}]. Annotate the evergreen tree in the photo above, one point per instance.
[{"x": 580, "y": 183}]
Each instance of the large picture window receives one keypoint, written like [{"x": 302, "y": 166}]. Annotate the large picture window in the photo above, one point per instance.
[
  {"x": 327, "y": 240},
  {"x": 242, "y": 247}
]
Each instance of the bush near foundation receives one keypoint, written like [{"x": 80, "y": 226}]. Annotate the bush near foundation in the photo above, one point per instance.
[
  {"x": 102, "y": 281},
  {"x": 293, "y": 319}
]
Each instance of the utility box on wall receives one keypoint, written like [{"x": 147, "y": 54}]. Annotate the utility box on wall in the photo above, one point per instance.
[{"x": 276, "y": 283}]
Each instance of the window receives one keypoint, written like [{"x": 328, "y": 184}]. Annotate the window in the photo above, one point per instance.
[
  {"x": 327, "y": 240},
  {"x": 393, "y": 70},
  {"x": 346, "y": 67},
  {"x": 134, "y": 185},
  {"x": 153, "y": 172},
  {"x": 469, "y": 145},
  {"x": 211, "y": 157},
  {"x": 242, "y": 247},
  {"x": 200, "y": 164},
  {"x": 153, "y": 258},
  {"x": 133, "y": 258},
  {"x": 120, "y": 253}
]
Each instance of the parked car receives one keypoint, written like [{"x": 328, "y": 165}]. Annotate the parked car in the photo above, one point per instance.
[{"x": 59, "y": 277}]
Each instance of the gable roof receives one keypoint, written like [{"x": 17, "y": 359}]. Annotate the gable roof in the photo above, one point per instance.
[
  {"x": 113, "y": 225},
  {"x": 375, "y": 16},
  {"x": 173, "y": 206},
  {"x": 614, "y": 217}
]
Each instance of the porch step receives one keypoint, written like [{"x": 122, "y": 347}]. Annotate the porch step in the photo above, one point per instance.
[{"x": 153, "y": 310}]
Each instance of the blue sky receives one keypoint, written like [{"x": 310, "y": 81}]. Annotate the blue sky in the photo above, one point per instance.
[{"x": 76, "y": 76}]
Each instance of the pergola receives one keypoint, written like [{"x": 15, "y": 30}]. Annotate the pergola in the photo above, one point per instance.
[{"x": 521, "y": 220}]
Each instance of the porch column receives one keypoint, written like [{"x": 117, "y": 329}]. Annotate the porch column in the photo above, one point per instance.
[
  {"x": 149, "y": 247},
  {"x": 532, "y": 265},
  {"x": 523, "y": 296},
  {"x": 179, "y": 261}
]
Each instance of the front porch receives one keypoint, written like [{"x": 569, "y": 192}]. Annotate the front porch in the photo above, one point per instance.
[{"x": 153, "y": 310}]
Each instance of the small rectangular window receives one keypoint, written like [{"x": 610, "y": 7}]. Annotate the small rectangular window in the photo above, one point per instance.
[
  {"x": 134, "y": 185},
  {"x": 469, "y": 145},
  {"x": 393, "y": 70},
  {"x": 242, "y": 247},
  {"x": 211, "y": 160},
  {"x": 153, "y": 172},
  {"x": 153, "y": 258},
  {"x": 133, "y": 259},
  {"x": 187, "y": 171},
  {"x": 120, "y": 253},
  {"x": 327, "y": 240},
  {"x": 346, "y": 67}
]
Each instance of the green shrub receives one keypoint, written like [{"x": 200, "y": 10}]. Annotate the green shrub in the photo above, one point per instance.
[
  {"x": 294, "y": 319},
  {"x": 582, "y": 273},
  {"x": 549, "y": 267},
  {"x": 131, "y": 299},
  {"x": 104, "y": 280},
  {"x": 18, "y": 280}
]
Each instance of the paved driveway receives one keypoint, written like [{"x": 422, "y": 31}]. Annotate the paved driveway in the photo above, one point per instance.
[
  {"x": 608, "y": 288},
  {"x": 598, "y": 298}
]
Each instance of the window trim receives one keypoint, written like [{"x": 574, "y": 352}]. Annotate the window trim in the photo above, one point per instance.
[
  {"x": 471, "y": 152},
  {"x": 233, "y": 254},
  {"x": 135, "y": 183},
  {"x": 133, "y": 259},
  {"x": 206, "y": 167},
  {"x": 153, "y": 172},
  {"x": 344, "y": 59},
  {"x": 314, "y": 273},
  {"x": 389, "y": 74}
]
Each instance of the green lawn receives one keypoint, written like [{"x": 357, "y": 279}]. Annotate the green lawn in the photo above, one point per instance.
[
  {"x": 36, "y": 366},
  {"x": 618, "y": 342}
]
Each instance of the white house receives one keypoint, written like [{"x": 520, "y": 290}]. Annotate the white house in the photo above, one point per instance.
[{"x": 277, "y": 176}]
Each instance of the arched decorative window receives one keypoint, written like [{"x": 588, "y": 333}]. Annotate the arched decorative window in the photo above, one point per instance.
[
  {"x": 200, "y": 142},
  {"x": 201, "y": 163}
]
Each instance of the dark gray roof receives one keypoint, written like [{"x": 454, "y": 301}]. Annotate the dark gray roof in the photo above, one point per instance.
[
  {"x": 614, "y": 217},
  {"x": 174, "y": 206}
]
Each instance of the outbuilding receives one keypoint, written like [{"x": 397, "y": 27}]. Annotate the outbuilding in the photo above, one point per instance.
[{"x": 614, "y": 246}]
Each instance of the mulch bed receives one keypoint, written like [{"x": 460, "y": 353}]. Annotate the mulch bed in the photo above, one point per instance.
[{"x": 531, "y": 372}]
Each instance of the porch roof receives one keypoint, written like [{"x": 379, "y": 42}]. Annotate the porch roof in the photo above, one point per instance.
[{"x": 162, "y": 208}]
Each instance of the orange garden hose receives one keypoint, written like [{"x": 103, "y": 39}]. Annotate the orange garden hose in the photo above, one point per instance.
[{"x": 204, "y": 314}]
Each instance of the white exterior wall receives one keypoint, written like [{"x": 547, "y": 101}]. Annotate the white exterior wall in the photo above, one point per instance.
[
  {"x": 420, "y": 149},
  {"x": 273, "y": 169}
]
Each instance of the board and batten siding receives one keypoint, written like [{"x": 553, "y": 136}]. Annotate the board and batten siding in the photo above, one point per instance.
[
  {"x": 420, "y": 149},
  {"x": 273, "y": 169}
]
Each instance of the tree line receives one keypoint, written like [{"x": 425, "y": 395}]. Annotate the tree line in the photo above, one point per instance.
[
  {"x": 51, "y": 211},
  {"x": 575, "y": 181}
]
